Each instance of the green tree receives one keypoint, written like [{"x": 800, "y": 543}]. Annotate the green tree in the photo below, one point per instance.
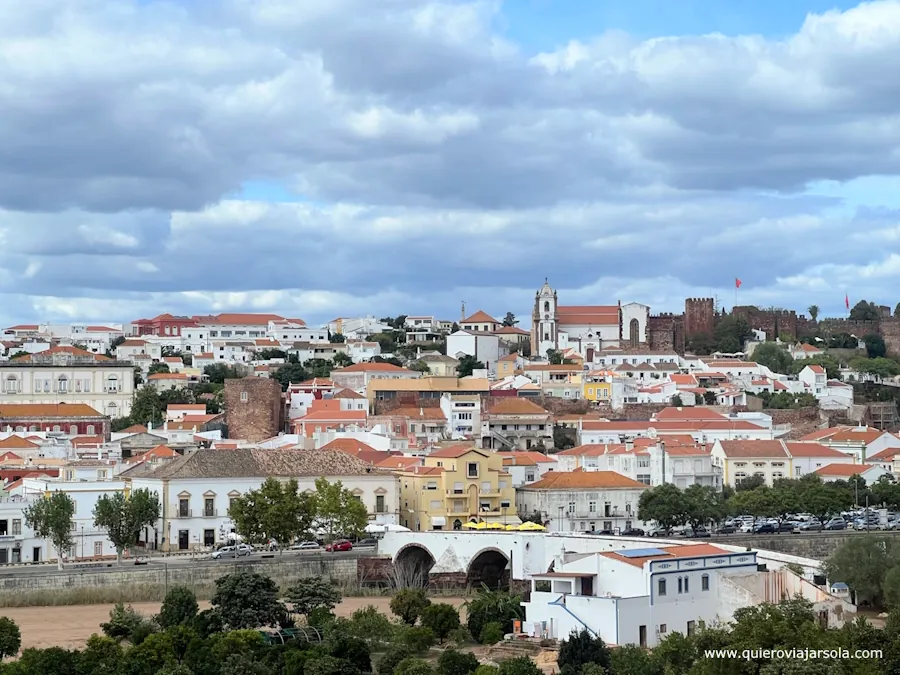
[
  {"x": 277, "y": 510},
  {"x": 520, "y": 665},
  {"x": 581, "y": 648},
  {"x": 879, "y": 367},
  {"x": 453, "y": 662},
  {"x": 51, "y": 518},
  {"x": 510, "y": 320},
  {"x": 875, "y": 346},
  {"x": 862, "y": 562},
  {"x": 664, "y": 504},
  {"x": 246, "y": 600},
  {"x": 774, "y": 357},
  {"x": 704, "y": 505},
  {"x": 709, "y": 397},
  {"x": 440, "y": 618},
  {"x": 813, "y": 311},
  {"x": 123, "y": 517},
  {"x": 824, "y": 499},
  {"x": 270, "y": 353},
  {"x": 55, "y": 660},
  {"x": 891, "y": 588},
  {"x": 312, "y": 593},
  {"x": 217, "y": 373},
  {"x": 179, "y": 608},
  {"x": 700, "y": 344},
  {"x": 125, "y": 623},
  {"x": 731, "y": 333},
  {"x": 341, "y": 360},
  {"x": 467, "y": 364},
  {"x": 487, "y": 606},
  {"x": 750, "y": 483},
  {"x": 676, "y": 401},
  {"x": 865, "y": 311},
  {"x": 829, "y": 363},
  {"x": 101, "y": 656},
  {"x": 10, "y": 638},
  {"x": 413, "y": 666},
  {"x": 634, "y": 660},
  {"x": 158, "y": 368},
  {"x": 337, "y": 338},
  {"x": 147, "y": 408},
  {"x": 391, "y": 659},
  {"x": 337, "y": 510},
  {"x": 290, "y": 373},
  {"x": 408, "y": 604}
]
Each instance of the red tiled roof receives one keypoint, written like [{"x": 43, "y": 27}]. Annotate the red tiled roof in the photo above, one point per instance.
[
  {"x": 479, "y": 317},
  {"x": 806, "y": 449},
  {"x": 747, "y": 448},
  {"x": 580, "y": 480},
  {"x": 843, "y": 469},
  {"x": 60, "y": 410},
  {"x": 371, "y": 366},
  {"x": 683, "y": 551},
  {"x": 17, "y": 442}
]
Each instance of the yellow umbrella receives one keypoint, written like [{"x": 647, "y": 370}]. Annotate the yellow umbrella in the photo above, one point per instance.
[
  {"x": 511, "y": 527},
  {"x": 531, "y": 527},
  {"x": 481, "y": 525},
  {"x": 495, "y": 526},
  {"x": 471, "y": 526}
]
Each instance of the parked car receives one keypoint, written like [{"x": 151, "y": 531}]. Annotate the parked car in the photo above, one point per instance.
[
  {"x": 340, "y": 545},
  {"x": 697, "y": 533},
  {"x": 367, "y": 542},
  {"x": 765, "y": 528},
  {"x": 788, "y": 526},
  {"x": 232, "y": 551},
  {"x": 634, "y": 532},
  {"x": 836, "y": 524},
  {"x": 306, "y": 546},
  {"x": 810, "y": 526},
  {"x": 727, "y": 529},
  {"x": 660, "y": 532}
]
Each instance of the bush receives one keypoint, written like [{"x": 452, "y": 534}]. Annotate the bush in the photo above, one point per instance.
[
  {"x": 491, "y": 634},
  {"x": 10, "y": 638},
  {"x": 418, "y": 639},
  {"x": 389, "y": 661},
  {"x": 408, "y": 604},
  {"x": 126, "y": 624},
  {"x": 351, "y": 649},
  {"x": 487, "y": 670},
  {"x": 178, "y": 609},
  {"x": 493, "y": 606},
  {"x": 440, "y": 618},
  {"x": 521, "y": 665},
  {"x": 581, "y": 648},
  {"x": 247, "y": 600},
  {"x": 370, "y": 624},
  {"x": 452, "y": 662},
  {"x": 312, "y": 593},
  {"x": 328, "y": 665},
  {"x": 460, "y": 636},
  {"x": 413, "y": 666}
]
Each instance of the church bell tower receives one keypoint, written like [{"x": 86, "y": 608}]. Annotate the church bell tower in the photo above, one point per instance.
[{"x": 544, "y": 321}]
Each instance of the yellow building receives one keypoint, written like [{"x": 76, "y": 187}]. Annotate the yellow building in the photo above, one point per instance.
[
  {"x": 596, "y": 391},
  {"x": 506, "y": 366},
  {"x": 456, "y": 485}
]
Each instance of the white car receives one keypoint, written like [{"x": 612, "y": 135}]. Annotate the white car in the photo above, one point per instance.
[
  {"x": 231, "y": 551},
  {"x": 306, "y": 546}
]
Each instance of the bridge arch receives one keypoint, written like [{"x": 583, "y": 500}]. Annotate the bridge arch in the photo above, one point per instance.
[
  {"x": 412, "y": 565},
  {"x": 488, "y": 567}
]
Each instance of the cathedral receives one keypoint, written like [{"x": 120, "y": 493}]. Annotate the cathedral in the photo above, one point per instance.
[{"x": 587, "y": 329}]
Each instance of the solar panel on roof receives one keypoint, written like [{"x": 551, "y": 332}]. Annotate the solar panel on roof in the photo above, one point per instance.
[{"x": 642, "y": 552}]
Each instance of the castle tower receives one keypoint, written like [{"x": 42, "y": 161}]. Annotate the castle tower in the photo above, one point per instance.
[{"x": 544, "y": 321}]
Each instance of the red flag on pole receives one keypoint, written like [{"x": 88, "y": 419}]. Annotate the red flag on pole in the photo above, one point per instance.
[
  {"x": 737, "y": 282},
  {"x": 847, "y": 301}
]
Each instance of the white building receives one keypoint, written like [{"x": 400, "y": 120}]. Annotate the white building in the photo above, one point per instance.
[
  {"x": 127, "y": 350},
  {"x": 196, "y": 490},
  {"x": 814, "y": 379},
  {"x": 843, "y": 471},
  {"x": 463, "y": 413},
  {"x": 358, "y": 328},
  {"x": 18, "y": 543},
  {"x": 69, "y": 375},
  {"x": 702, "y": 431},
  {"x": 527, "y": 466},
  {"x": 635, "y": 596},
  {"x": 583, "y": 501},
  {"x": 485, "y": 347}
]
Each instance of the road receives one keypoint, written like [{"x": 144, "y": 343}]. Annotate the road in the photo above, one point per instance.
[{"x": 175, "y": 561}]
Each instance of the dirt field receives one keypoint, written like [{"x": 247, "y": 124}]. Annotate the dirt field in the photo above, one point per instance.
[{"x": 71, "y": 626}]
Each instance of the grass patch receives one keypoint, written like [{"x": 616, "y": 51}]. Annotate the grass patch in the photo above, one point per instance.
[{"x": 92, "y": 595}]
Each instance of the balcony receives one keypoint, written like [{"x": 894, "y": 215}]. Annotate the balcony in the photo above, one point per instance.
[
  {"x": 457, "y": 493},
  {"x": 210, "y": 513},
  {"x": 181, "y": 512}
]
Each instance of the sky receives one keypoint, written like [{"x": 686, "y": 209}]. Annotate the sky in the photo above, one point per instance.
[{"x": 323, "y": 159}]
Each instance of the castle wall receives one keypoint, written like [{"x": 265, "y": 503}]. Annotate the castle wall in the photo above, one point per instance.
[{"x": 699, "y": 316}]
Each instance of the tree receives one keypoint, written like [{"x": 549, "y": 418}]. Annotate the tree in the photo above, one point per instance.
[
  {"x": 418, "y": 366},
  {"x": 247, "y": 600},
  {"x": 51, "y": 518},
  {"x": 341, "y": 360},
  {"x": 388, "y": 663},
  {"x": 862, "y": 562},
  {"x": 54, "y": 660},
  {"x": 875, "y": 346},
  {"x": 487, "y": 606},
  {"x": 125, "y": 624},
  {"x": 413, "y": 666},
  {"x": 891, "y": 588},
  {"x": 453, "y": 662},
  {"x": 510, "y": 319},
  {"x": 147, "y": 408},
  {"x": 276, "y": 511},
  {"x": 709, "y": 397},
  {"x": 813, "y": 311},
  {"x": 581, "y": 648},
  {"x": 217, "y": 373},
  {"x": 337, "y": 510},
  {"x": 10, "y": 638},
  {"x": 269, "y": 353},
  {"x": 829, "y": 363},
  {"x": 467, "y": 364},
  {"x": 179, "y": 608},
  {"x": 408, "y": 604},
  {"x": 731, "y": 333},
  {"x": 824, "y": 499},
  {"x": 665, "y": 504},
  {"x": 750, "y": 483},
  {"x": 290, "y": 373},
  {"x": 123, "y": 517},
  {"x": 101, "y": 656},
  {"x": 440, "y": 618},
  {"x": 337, "y": 338},
  {"x": 879, "y": 367},
  {"x": 774, "y": 357},
  {"x": 865, "y": 311},
  {"x": 312, "y": 593},
  {"x": 158, "y": 368},
  {"x": 700, "y": 344},
  {"x": 554, "y": 356},
  {"x": 520, "y": 665},
  {"x": 676, "y": 401},
  {"x": 704, "y": 505}
]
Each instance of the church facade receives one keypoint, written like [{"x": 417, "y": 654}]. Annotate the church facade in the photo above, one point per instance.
[{"x": 587, "y": 329}]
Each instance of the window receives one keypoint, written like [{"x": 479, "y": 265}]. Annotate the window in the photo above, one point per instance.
[
  {"x": 687, "y": 584},
  {"x": 472, "y": 469},
  {"x": 379, "y": 504},
  {"x": 46, "y": 386},
  {"x": 90, "y": 430},
  {"x": 73, "y": 430},
  {"x": 704, "y": 582},
  {"x": 87, "y": 386},
  {"x": 112, "y": 384},
  {"x": 209, "y": 507},
  {"x": 529, "y": 477},
  {"x": 435, "y": 505},
  {"x": 112, "y": 410},
  {"x": 690, "y": 628},
  {"x": 592, "y": 507},
  {"x": 661, "y": 587},
  {"x": 17, "y": 526},
  {"x": 62, "y": 384},
  {"x": 504, "y": 504},
  {"x": 798, "y": 471},
  {"x": 12, "y": 384},
  {"x": 680, "y": 586},
  {"x": 56, "y": 427},
  {"x": 244, "y": 397},
  {"x": 571, "y": 507},
  {"x": 98, "y": 548},
  {"x": 662, "y": 628},
  {"x": 183, "y": 510},
  {"x": 101, "y": 474}
]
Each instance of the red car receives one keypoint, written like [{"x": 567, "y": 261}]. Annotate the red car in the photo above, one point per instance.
[{"x": 340, "y": 545}]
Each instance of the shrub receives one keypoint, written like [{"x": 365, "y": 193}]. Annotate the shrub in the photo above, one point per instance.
[
  {"x": 440, "y": 618},
  {"x": 492, "y": 633},
  {"x": 178, "y": 609},
  {"x": 10, "y": 638},
  {"x": 493, "y": 606},
  {"x": 312, "y": 593},
  {"x": 452, "y": 662},
  {"x": 352, "y": 649},
  {"x": 581, "y": 648},
  {"x": 418, "y": 639},
  {"x": 409, "y": 603},
  {"x": 413, "y": 666},
  {"x": 389, "y": 661},
  {"x": 487, "y": 670},
  {"x": 371, "y": 624},
  {"x": 521, "y": 665},
  {"x": 248, "y": 600},
  {"x": 460, "y": 636},
  {"x": 328, "y": 665},
  {"x": 126, "y": 624}
]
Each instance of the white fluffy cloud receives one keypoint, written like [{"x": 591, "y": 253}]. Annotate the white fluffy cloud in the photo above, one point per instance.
[{"x": 433, "y": 161}]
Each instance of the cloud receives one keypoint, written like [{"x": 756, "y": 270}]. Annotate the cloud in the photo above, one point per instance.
[{"x": 431, "y": 160}]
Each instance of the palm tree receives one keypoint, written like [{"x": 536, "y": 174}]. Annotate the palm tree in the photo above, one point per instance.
[{"x": 813, "y": 312}]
